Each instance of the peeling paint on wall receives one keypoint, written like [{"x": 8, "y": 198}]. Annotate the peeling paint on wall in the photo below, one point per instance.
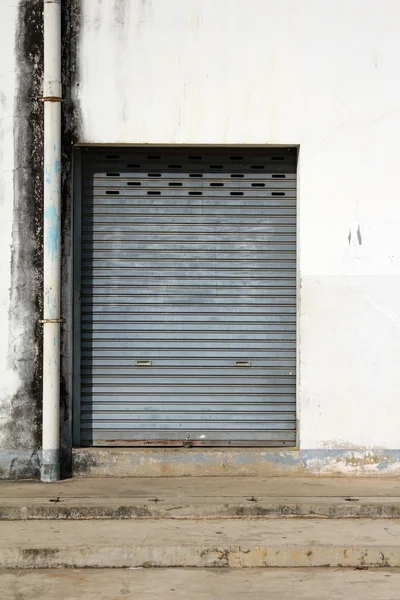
[{"x": 54, "y": 225}]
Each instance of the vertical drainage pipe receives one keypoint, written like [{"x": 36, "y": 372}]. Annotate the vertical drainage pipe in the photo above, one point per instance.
[{"x": 50, "y": 466}]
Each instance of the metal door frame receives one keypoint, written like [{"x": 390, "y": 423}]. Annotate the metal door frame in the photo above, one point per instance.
[
  {"x": 75, "y": 335},
  {"x": 76, "y": 301}
]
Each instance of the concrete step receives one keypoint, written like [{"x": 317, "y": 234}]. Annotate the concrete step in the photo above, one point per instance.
[
  {"x": 199, "y": 584},
  {"x": 232, "y": 462},
  {"x": 234, "y": 543},
  {"x": 201, "y": 497}
]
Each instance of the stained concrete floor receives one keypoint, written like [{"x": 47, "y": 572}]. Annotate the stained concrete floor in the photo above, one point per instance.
[
  {"x": 202, "y": 487},
  {"x": 201, "y": 584}
]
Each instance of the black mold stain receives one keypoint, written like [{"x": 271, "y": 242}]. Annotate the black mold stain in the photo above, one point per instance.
[
  {"x": 39, "y": 553},
  {"x": 25, "y": 468},
  {"x": 71, "y": 127},
  {"x": 22, "y": 421},
  {"x": 84, "y": 463}
]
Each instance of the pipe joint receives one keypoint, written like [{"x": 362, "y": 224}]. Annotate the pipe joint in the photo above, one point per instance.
[
  {"x": 47, "y": 321},
  {"x": 51, "y": 99}
]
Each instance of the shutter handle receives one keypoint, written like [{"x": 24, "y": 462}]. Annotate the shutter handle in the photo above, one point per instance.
[
  {"x": 143, "y": 363},
  {"x": 242, "y": 363}
]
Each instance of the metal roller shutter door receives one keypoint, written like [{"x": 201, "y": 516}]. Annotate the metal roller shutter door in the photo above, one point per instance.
[{"x": 186, "y": 277}]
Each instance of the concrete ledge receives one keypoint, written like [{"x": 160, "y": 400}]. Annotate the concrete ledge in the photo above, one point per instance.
[
  {"x": 201, "y": 498},
  {"x": 231, "y": 509},
  {"x": 166, "y": 543},
  {"x": 232, "y": 462},
  {"x": 210, "y": 462}
]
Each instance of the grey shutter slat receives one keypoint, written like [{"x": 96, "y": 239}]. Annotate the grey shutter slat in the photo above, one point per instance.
[{"x": 188, "y": 262}]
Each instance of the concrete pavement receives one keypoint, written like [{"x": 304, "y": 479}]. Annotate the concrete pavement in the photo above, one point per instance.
[
  {"x": 234, "y": 543},
  {"x": 199, "y": 584},
  {"x": 200, "y": 497}
]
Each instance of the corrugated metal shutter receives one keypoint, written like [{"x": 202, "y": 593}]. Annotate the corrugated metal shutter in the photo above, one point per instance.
[{"x": 188, "y": 296}]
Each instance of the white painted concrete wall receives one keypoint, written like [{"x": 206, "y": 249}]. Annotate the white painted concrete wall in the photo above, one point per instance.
[
  {"x": 322, "y": 74},
  {"x": 9, "y": 382}
]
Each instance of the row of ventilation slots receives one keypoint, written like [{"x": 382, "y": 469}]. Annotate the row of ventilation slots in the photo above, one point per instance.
[
  {"x": 115, "y": 192},
  {"x": 197, "y": 175},
  {"x": 179, "y": 184}
]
